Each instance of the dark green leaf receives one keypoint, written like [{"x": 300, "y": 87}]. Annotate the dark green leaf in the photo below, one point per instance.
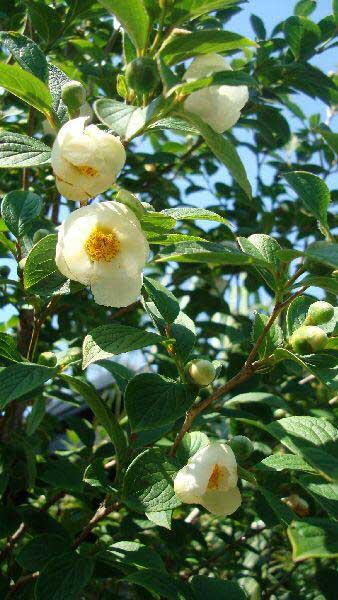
[
  {"x": 133, "y": 17},
  {"x": 163, "y": 299},
  {"x": 217, "y": 589},
  {"x": 326, "y": 494},
  {"x": 19, "y": 379},
  {"x": 120, "y": 373},
  {"x": 195, "y": 214},
  {"x": 64, "y": 577},
  {"x": 272, "y": 339},
  {"x": 205, "y": 252},
  {"x": 35, "y": 555},
  {"x": 8, "y": 349},
  {"x": 36, "y": 415},
  {"x": 313, "y": 192},
  {"x": 28, "y": 54},
  {"x": 135, "y": 554},
  {"x": 160, "y": 583},
  {"x": 302, "y": 36},
  {"x": 18, "y": 209},
  {"x": 313, "y": 538}
]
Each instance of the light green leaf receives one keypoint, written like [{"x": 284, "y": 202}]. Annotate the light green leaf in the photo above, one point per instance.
[
  {"x": 18, "y": 150},
  {"x": 133, "y": 17},
  {"x": 107, "y": 340},
  {"x": 18, "y": 209},
  {"x": 313, "y": 538},
  {"x": 173, "y": 123},
  {"x": 64, "y": 577},
  {"x": 335, "y": 10},
  {"x": 194, "y": 214},
  {"x": 123, "y": 119},
  {"x": 104, "y": 415},
  {"x": 223, "y": 149},
  {"x": 26, "y": 52},
  {"x": 304, "y": 8},
  {"x": 313, "y": 192},
  {"x": 161, "y": 518},
  {"x": 41, "y": 275},
  {"x": 205, "y": 252},
  {"x": 179, "y": 47},
  {"x": 56, "y": 79},
  {"x": 264, "y": 248},
  {"x": 282, "y": 462},
  {"x": 27, "y": 87},
  {"x": 326, "y": 494},
  {"x": 270, "y": 400},
  {"x": 326, "y": 283},
  {"x": 133, "y": 553},
  {"x": 272, "y": 339},
  {"x": 19, "y": 379},
  {"x": 154, "y": 401},
  {"x": 183, "y": 10},
  {"x": 299, "y": 433},
  {"x": 120, "y": 373},
  {"x": 148, "y": 482},
  {"x": 163, "y": 299}
]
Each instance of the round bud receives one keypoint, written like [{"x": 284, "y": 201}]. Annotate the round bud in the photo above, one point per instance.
[
  {"x": 69, "y": 356},
  {"x": 125, "y": 197},
  {"x": 4, "y": 271},
  {"x": 279, "y": 413},
  {"x": 73, "y": 95},
  {"x": 47, "y": 359},
  {"x": 241, "y": 446},
  {"x": 39, "y": 234},
  {"x": 142, "y": 75},
  {"x": 201, "y": 372},
  {"x": 319, "y": 312},
  {"x": 308, "y": 339}
]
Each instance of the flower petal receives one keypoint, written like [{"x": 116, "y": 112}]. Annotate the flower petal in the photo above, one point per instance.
[{"x": 221, "y": 503}]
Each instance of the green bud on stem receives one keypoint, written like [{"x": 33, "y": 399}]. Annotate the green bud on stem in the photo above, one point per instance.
[
  {"x": 47, "y": 359},
  {"x": 319, "y": 312},
  {"x": 201, "y": 372},
  {"x": 73, "y": 95},
  {"x": 241, "y": 446},
  {"x": 308, "y": 339},
  {"x": 142, "y": 75},
  {"x": 39, "y": 234}
]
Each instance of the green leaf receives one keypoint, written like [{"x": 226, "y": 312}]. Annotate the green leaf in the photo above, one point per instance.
[
  {"x": 168, "y": 77},
  {"x": 8, "y": 349},
  {"x": 26, "y": 52},
  {"x": 163, "y": 299},
  {"x": 304, "y": 8},
  {"x": 313, "y": 192},
  {"x": 272, "y": 339},
  {"x": 183, "y": 10},
  {"x": 325, "y": 252},
  {"x": 179, "y": 47},
  {"x": 326, "y": 494},
  {"x": 282, "y": 462},
  {"x": 323, "y": 366},
  {"x": 223, "y": 149},
  {"x": 45, "y": 21},
  {"x": 161, "y": 518},
  {"x": 302, "y": 36},
  {"x": 329, "y": 136},
  {"x": 217, "y": 589},
  {"x": 64, "y": 577},
  {"x": 157, "y": 223},
  {"x": 205, "y": 252},
  {"x": 19, "y": 379},
  {"x": 313, "y": 538},
  {"x": 329, "y": 284},
  {"x": 335, "y": 10},
  {"x": 41, "y": 275},
  {"x": 296, "y": 313},
  {"x": 173, "y": 123},
  {"x": 120, "y": 373},
  {"x": 267, "y": 398},
  {"x": 56, "y": 79},
  {"x": 35, "y": 554},
  {"x": 264, "y": 248},
  {"x": 27, "y": 87},
  {"x": 36, "y": 415},
  {"x": 194, "y": 214},
  {"x": 62, "y": 474},
  {"x": 182, "y": 330},
  {"x": 148, "y": 482},
  {"x": 18, "y": 209},
  {"x": 18, "y": 150},
  {"x": 123, "y": 119},
  {"x": 104, "y": 415},
  {"x": 282, "y": 512},
  {"x": 154, "y": 401},
  {"x": 159, "y": 583},
  {"x": 107, "y": 340},
  {"x": 135, "y": 554},
  {"x": 133, "y": 18},
  {"x": 220, "y": 78},
  {"x": 190, "y": 444}
]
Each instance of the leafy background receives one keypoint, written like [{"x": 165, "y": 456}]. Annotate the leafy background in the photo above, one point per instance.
[{"x": 88, "y": 508}]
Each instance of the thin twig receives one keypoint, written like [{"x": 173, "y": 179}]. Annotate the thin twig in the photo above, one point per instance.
[{"x": 102, "y": 512}]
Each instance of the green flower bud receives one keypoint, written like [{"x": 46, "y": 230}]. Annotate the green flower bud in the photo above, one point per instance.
[
  {"x": 47, "y": 359},
  {"x": 279, "y": 413},
  {"x": 241, "y": 446},
  {"x": 73, "y": 95},
  {"x": 69, "y": 356},
  {"x": 201, "y": 372},
  {"x": 308, "y": 339},
  {"x": 319, "y": 312},
  {"x": 142, "y": 75},
  {"x": 39, "y": 234},
  {"x": 4, "y": 271},
  {"x": 125, "y": 197}
]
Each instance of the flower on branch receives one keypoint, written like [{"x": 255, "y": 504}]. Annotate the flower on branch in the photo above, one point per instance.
[
  {"x": 218, "y": 105},
  {"x": 210, "y": 479},
  {"x": 103, "y": 246},
  {"x": 85, "y": 160}
]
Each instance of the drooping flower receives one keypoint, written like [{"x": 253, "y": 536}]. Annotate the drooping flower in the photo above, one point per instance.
[
  {"x": 85, "y": 160},
  {"x": 218, "y": 105},
  {"x": 210, "y": 479},
  {"x": 103, "y": 246}
]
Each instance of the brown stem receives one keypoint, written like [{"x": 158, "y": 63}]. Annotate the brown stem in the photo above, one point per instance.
[
  {"x": 101, "y": 513},
  {"x": 22, "y": 581},
  {"x": 125, "y": 309}
]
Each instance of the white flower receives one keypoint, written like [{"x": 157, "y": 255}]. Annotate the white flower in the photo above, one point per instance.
[
  {"x": 103, "y": 246},
  {"x": 85, "y": 111},
  {"x": 85, "y": 160},
  {"x": 218, "y": 105},
  {"x": 210, "y": 479}
]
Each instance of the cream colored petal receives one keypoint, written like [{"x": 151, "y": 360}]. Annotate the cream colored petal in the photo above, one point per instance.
[
  {"x": 205, "y": 65},
  {"x": 70, "y": 191},
  {"x": 186, "y": 486},
  {"x": 117, "y": 291},
  {"x": 222, "y": 503},
  {"x": 238, "y": 95}
]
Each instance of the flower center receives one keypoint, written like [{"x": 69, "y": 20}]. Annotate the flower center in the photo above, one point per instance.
[
  {"x": 215, "y": 477},
  {"x": 86, "y": 170},
  {"x": 102, "y": 245}
]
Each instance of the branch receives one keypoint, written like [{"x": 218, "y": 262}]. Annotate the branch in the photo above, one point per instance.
[{"x": 101, "y": 512}]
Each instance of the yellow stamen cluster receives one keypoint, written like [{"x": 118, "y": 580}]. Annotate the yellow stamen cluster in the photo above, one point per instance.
[
  {"x": 86, "y": 170},
  {"x": 214, "y": 478},
  {"x": 102, "y": 245}
]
